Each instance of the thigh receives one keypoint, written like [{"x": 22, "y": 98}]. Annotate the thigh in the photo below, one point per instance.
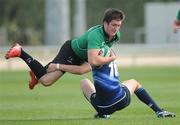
[
  {"x": 88, "y": 88},
  {"x": 67, "y": 56},
  {"x": 131, "y": 85},
  {"x": 120, "y": 104},
  {"x": 124, "y": 102},
  {"x": 49, "y": 78}
]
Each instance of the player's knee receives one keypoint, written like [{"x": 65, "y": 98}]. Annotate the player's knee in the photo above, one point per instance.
[
  {"x": 46, "y": 82},
  {"x": 136, "y": 83},
  {"x": 83, "y": 83}
]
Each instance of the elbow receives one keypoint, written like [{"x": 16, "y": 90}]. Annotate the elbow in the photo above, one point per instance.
[
  {"x": 93, "y": 62},
  {"x": 81, "y": 71}
]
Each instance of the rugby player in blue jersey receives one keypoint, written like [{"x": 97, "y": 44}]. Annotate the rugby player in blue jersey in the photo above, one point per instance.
[{"x": 107, "y": 94}]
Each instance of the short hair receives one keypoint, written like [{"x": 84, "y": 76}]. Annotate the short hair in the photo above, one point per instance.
[{"x": 113, "y": 14}]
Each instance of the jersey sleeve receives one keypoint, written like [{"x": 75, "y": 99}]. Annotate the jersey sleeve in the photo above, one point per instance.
[
  {"x": 94, "y": 41},
  {"x": 178, "y": 15}
]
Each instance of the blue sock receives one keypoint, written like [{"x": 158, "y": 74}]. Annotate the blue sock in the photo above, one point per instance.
[{"x": 142, "y": 94}]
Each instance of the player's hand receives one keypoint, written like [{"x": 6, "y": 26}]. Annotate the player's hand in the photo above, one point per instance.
[
  {"x": 52, "y": 67},
  {"x": 176, "y": 26},
  {"x": 112, "y": 54},
  {"x": 175, "y": 29}
]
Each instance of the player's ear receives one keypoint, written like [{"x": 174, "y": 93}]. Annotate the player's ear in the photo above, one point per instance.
[{"x": 105, "y": 23}]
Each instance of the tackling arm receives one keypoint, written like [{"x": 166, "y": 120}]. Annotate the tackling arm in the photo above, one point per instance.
[
  {"x": 74, "y": 69},
  {"x": 96, "y": 60}
]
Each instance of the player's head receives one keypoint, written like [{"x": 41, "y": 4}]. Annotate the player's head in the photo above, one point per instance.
[
  {"x": 112, "y": 21},
  {"x": 113, "y": 14}
]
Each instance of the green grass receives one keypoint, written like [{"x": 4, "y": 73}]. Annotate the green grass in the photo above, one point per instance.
[{"x": 64, "y": 104}]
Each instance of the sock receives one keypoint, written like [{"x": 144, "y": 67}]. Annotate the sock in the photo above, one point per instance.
[
  {"x": 33, "y": 64},
  {"x": 142, "y": 94}
]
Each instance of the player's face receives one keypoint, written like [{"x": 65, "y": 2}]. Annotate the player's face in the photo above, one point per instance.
[{"x": 112, "y": 27}]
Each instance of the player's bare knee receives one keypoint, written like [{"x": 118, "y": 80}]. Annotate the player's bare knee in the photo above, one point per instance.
[
  {"x": 136, "y": 83},
  {"x": 46, "y": 82},
  {"x": 83, "y": 83}
]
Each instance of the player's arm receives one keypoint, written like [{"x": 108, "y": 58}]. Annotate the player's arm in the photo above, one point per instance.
[
  {"x": 95, "y": 59},
  {"x": 74, "y": 69},
  {"x": 176, "y": 25}
]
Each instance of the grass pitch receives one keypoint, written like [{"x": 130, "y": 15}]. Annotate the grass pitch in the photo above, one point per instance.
[{"x": 64, "y": 104}]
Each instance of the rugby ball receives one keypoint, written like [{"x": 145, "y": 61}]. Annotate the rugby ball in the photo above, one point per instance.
[{"x": 105, "y": 51}]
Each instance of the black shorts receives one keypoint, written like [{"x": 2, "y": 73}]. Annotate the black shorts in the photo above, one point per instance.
[
  {"x": 118, "y": 105},
  {"x": 67, "y": 56}
]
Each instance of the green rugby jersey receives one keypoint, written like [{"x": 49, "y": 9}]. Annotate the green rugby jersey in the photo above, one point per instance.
[
  {"x": 178, "y": 15},
  {"x": 94, "y": 38}
]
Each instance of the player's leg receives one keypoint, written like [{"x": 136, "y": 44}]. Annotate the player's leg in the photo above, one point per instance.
[
  {"x": 87, "y": 88},
  {"x": 89, "y": 91},
  {"x": 65, "y": 56},
  {"x": 33, "y": 80},
  {"x": 17, "y": 51},
  {"x": 38, "y": 72},
  {"x": 46, "y": 80},
  {"x": 49, "y": 78},
  {"x": 135, "y": 87},
  {"x": 141, "y": 93},
  {"x": 132, "y": 85}
]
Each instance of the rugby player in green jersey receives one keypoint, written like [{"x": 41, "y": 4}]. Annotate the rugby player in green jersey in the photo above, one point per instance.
[
  {"x": 176, "y": 25},
  {"x": 79, "y": 51}
]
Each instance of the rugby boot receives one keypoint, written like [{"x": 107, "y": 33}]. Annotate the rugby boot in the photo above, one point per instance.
[
  {"x": 164, "y": 114},
  {"x": 97, "y": 116},
  {"x": 33, "y": 82},
  {"x": 14, "y": 51}
]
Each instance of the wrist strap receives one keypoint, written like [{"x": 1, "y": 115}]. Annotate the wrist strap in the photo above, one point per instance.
[{"x": 58, "y": 66}]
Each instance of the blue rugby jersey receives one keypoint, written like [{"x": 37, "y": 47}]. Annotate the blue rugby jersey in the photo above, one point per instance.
[{"x": 107, "y": 84}]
